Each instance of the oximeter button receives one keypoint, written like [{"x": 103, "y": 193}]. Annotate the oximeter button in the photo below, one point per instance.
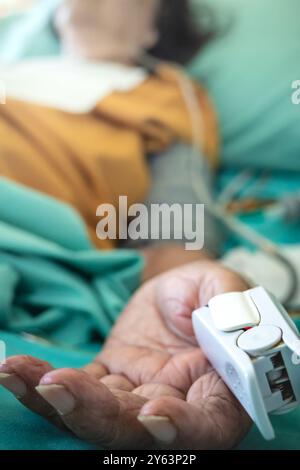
[
  {"x": 233, "y": 311},
  {"x": 259, "y": 339}
]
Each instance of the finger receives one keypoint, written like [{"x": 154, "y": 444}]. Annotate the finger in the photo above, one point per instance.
[
  {"x": 178, "y": 295},
  {"x": 92, "y": 412},
  {"x": 119, "y": 382},
  {"x": 96, "y": 369},
  {"x": 20, "y": 375},
  {"x": 156, "y": 390},
  {"x": 112, "y": 381},
  {"x": 220, "y": 281},
  {"x": 219, "y": 400},
  {"x": 178, "y": 369},
  {"x": 205, "y": 421}
]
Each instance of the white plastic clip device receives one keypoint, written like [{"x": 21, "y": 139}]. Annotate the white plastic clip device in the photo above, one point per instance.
[{"x": 255, "y": 347}]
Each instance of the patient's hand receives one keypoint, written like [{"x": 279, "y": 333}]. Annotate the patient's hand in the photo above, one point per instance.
[{"x": 151, "y": 386}]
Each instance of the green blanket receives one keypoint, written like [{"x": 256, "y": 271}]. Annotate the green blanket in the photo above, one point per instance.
[{"x": 53, "y": 282}]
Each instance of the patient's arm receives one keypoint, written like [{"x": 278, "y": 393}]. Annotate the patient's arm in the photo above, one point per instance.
[
  {"x": 171, "y": 184},
  {"x": 151, "y": 386},
  {"x": 163, "y": 257}
]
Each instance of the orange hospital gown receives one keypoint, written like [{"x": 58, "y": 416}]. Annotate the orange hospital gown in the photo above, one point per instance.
[{"x": 89, "y": 159}]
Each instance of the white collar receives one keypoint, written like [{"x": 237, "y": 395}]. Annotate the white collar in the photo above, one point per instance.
[{"x": 68, "y": 84}]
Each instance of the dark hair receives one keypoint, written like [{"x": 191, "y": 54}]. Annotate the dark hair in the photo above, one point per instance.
[{"x": 180, "y": 36}]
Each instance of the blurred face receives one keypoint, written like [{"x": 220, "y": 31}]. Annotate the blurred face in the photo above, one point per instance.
[{"x": 115, "y": 30}]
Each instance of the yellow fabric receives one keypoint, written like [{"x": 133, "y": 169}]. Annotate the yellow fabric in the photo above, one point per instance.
[{"x": 90, "y": 159}]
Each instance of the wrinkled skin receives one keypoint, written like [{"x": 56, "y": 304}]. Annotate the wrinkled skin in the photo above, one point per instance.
[{"x": 150, "y": 365}]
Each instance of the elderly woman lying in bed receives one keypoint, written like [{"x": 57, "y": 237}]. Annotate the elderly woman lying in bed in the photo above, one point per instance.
[{"x": 86, "y": 128}]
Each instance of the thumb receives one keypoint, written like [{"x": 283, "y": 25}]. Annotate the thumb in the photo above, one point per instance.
[
  {"x": 183, "y": 290},
  {"x": 209, "y": 418}
]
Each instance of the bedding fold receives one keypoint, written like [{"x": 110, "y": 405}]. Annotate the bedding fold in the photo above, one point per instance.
[{"x": 54, "y": 284}]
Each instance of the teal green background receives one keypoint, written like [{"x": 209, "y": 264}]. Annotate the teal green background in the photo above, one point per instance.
[{"x": 248, "y": 70}]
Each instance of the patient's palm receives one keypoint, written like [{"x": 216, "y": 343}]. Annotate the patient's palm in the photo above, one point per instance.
[
  {"x": 153, "y": 346},
  {"x": 150, "y": 365}
]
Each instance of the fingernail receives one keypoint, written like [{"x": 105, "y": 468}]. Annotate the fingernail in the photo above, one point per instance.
[
  {"x": 58, "y": 397},
  {"x": 14, "y": 384},
  {"x": 161, "y": 428},
  {"x": 3, "y": 367}
]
